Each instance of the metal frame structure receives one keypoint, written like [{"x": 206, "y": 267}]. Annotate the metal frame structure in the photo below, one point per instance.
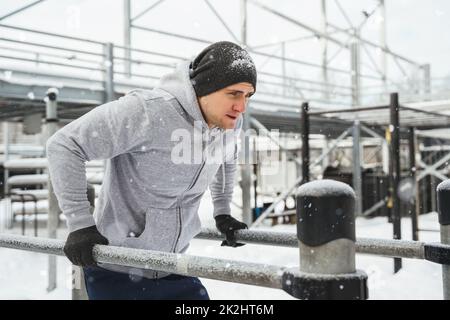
[{"x": 105, "y": 60}]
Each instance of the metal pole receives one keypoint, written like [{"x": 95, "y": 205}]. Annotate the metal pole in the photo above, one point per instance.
[
  {"x": 427, "y": 81},
  {"x": 395, "y": 173},
  {"x": 127, "y": 36},
  {"x": 383, "y": 43},
  {"x": 326, "y": 232},
  {"x": 355, "y": 71},
  {"x": 357, "y": 179},
  {"x": 443, "y": 195},
  {"x": 305, "y": 143},
  {"x": 53, "y": 208},
  {"x": 324, "y": 47},
  {"x": 412, "y": 170},
  {"x": 109, "y": 71},
  {"x": 5, "y": 157},
  {"x": 244, "y": 22},
  {"x": 246, "y": 170},
  {"x": 283, "y": 67}
]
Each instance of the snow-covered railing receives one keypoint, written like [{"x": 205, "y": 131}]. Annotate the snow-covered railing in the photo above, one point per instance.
[
  {"x": 326, "y": 271},
  {"x": 383, "y": 247}
]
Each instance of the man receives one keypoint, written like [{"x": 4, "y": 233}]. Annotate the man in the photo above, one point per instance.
[{"x": 149, "y": 198}]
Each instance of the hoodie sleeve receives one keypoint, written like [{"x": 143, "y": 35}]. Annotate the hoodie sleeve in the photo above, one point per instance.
[
  {"x": 103, "y": 133},
  {"x": 223, "y": 183}
]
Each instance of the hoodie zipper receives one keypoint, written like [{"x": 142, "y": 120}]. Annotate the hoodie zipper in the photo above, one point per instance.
[
  {"x": 179, "y": 228},
  {"x": 191, "y": 185}
]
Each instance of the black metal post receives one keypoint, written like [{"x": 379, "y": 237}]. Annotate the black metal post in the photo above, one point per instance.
[
  {"x": 305, "y": 143},
  {"x": 412, "y": 170},
  {"x": 443, "y": 200},
  {"x": 395, "y": 174},
  {"x": 326, "y": 234}
]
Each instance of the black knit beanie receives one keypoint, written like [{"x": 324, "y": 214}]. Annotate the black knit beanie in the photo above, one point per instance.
[{"x": 220, "y": 65}]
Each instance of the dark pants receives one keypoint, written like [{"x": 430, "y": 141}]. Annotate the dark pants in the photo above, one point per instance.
[{"x": 102, "y": 284}]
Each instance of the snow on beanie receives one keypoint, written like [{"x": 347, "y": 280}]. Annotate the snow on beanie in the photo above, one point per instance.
[{"x": 220, "y": 65}]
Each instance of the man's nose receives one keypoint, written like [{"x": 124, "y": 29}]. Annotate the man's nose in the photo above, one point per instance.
[{"x": 240, "y": 106}]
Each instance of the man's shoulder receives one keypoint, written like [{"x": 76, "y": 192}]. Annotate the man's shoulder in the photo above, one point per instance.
[{"x": 151, "y": 94}]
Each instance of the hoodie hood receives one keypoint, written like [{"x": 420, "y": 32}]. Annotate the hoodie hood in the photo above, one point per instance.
[{"x": 179, "y": 85}]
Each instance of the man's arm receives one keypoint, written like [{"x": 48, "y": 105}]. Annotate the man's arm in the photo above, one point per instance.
[
  {"x": 222, "y": 193},
  {"x": 107, "y": 131}
]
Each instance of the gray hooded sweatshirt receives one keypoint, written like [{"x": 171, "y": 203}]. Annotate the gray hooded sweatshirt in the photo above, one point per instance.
[{"x": 153, "y": 184}]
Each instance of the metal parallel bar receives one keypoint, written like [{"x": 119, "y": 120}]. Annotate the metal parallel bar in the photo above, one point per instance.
[
  {"x": 50, "y": 34},
  {"x": 372, "y": 246},
  {"x": 20, "y": 9},
  {"x": 219, "y": 269}
]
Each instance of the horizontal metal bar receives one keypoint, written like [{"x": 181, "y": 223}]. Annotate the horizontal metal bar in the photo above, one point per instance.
[
  {"x": 304, "y": 88},
  {"x": 382, "y": 247},
  {"x": 30, "y": 43},
  {"x": 249, "y": 49},
  {"x": 20, "y": 9},
  {"x": 166, "y": 33},
  {"x": 52, "y": 63},
  {"x": 439, "y": 115},
  {"x": 302, "y": 80},
  {"x": 372, "y": 44},
  {"x": 265, "y": 275},
  {"x": 150, "y": 52},
  {"x": 160, "y": 64},
  {"x": 135, "y": 75},
  {"x": 349, "y": 110},
  {"x": 50, "y": 55},
  {"x": 51, "y": 34},
  {"x": 270, "y": 238}
]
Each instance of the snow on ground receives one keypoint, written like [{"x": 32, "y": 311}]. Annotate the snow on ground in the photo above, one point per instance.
[{"x": 23, "y": 275}]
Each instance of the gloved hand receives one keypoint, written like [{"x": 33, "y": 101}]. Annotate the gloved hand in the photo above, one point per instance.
[
  {"x": 79, "y": 245},
  {"x": 226, "y": 224}
]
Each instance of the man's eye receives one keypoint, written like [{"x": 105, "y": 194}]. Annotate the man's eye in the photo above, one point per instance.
[{"x": 234, "y": 94}]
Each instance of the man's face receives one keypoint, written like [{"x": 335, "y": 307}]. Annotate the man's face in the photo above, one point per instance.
[{"x": 223, "y": 107}]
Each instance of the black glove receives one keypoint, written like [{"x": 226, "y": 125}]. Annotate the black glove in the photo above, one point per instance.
[
  {"x": 226, "y": 224},
  {"x": 79, "y": 245}
]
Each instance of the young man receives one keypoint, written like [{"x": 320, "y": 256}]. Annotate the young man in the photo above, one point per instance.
[{"x": 149, "y": 198}]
